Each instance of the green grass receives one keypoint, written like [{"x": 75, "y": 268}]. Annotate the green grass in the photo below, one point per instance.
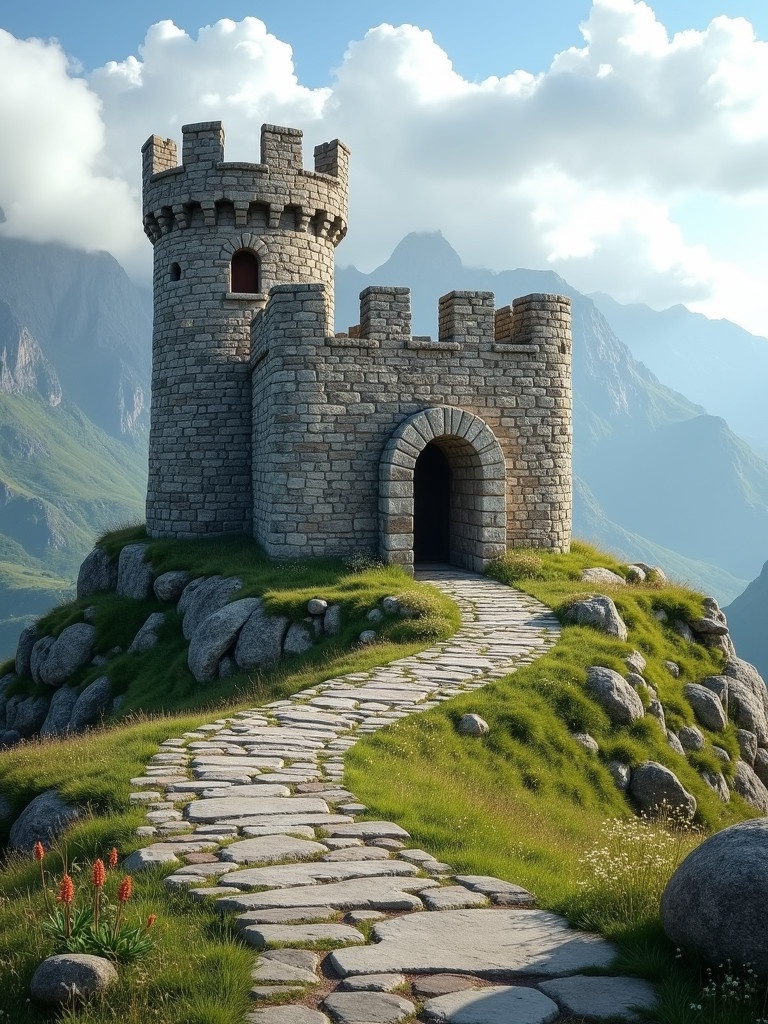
[
  {"x": 525, "y": 803},
  {"x": 159, "y": 681}
]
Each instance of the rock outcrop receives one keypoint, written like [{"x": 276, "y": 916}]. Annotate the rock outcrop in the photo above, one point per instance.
[{"x": 715, "y": 901}]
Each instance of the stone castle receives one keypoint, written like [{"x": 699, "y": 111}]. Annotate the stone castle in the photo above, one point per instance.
[{"x": 265, "y": 422}]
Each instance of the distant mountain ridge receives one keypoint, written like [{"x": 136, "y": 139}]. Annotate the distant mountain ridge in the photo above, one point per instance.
[
  {"x": 714, "y": 362},
  {"x": 748, "y": 621},
  {"x": 91, "y": 323},
  {"x": 75, "y": 342}
]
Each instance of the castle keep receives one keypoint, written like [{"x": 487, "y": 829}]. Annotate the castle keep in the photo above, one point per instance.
[{"x": 266, "y": 422}]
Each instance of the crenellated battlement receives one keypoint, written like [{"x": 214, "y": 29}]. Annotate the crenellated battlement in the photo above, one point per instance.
[
  {"x": 466, "y": 319},
  {"x": 276, "y": 194}
]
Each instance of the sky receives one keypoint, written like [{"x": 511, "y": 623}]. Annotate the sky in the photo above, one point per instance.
[{"x": 620, "y": 143}]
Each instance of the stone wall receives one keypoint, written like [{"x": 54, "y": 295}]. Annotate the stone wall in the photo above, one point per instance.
[
  {"x": 197, "y": 215},
  {"x": 496, "y": 392}
]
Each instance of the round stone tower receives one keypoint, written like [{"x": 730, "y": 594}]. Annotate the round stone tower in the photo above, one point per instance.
[{"x": 223, "y": 235}]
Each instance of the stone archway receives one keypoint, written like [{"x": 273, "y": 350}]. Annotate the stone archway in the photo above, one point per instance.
[{"x": 477, "y": 501}]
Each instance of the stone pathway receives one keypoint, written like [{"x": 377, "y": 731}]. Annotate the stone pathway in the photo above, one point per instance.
[{"x": 409, "y": 936}]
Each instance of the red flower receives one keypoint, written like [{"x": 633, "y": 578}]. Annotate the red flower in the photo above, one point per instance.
[
  {"x": 99, "y": 874},
  {"x": 151, "y": 920},
  {"x": 39, "y": 850},
  {"x": 125, "y": 889},
  {"x": 112, "y": 858},
  {"x": 66, "y": 891}
]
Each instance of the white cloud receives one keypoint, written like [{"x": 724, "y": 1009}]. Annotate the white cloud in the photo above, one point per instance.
[
  {"x": 581, "y": 168},
  {"x": 53, "y": 136}
]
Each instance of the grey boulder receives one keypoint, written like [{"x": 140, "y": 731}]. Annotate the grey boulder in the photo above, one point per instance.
[
  {"x": 202, "y": 597},
  {"x": 748, "y": 785},
  {"x": 620, "y": 773},
  {"x": 675, "y": 743},
  {"x": 715, "y": 901},
  {"x": 602, "y": 577},
  {"x": 716, "y": 781},
  {"x": 747, "y": 745},
  {"x": 600, "y": 612},
  {"x": 39, "y": 653},
  {"x": 614, "y": 694},
  {"x": 260, "y": 642},
  {"x": 215, "y": 635},
  {"x": 30, "y": 715},
  {"x": 749, "y": 684},
  {"x": 691, "y": 738},
  {"x": 332, "y": 620},
  {"x": 746, "y": 703},
  {"x": 707, "y": 706},
  {"x": 71, "y": 649},
  {"x": 98, "y": 574},
  {"x": 169, "y": 586},
  {"x": 589, "y": 743},
  {"x": 761, "y": 765},
  {"x": 652, "y": 785},
  {"x": 472, "y": 725},
  {"x": 91, "y": 705},
  {"x": 44, "y": 818},
  {"x": 27, "y": 640},
  {"x": 135, "y": 577},
  {"x": 635, "y": 662},
  {"x": 149, "y": 634},
  {"x": 298, "y": 640},
  {"x": 71, "y": 978},
  {"x": 59, "y": 712}
]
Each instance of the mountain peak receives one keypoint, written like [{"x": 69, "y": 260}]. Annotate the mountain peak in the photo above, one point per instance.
[{"x": 429, "y": 246}]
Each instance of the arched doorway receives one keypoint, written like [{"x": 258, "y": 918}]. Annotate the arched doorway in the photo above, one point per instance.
[
  {"x": 442, "y": 485},
  {"x": 432, "y": 506}
]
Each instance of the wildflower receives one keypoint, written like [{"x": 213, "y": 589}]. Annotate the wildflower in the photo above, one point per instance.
[
  {"x": 98, "y": 874},
  {"x": 98, "y": 877},
  {"x": 125, "y": 889},
  {"x": 112, "y": 858},
  {"x": 66, "y": 891},
  {"x": 39, "y": 850},
  {"x": 151, "y": 920},
  {"x": 66, "y": 895}
]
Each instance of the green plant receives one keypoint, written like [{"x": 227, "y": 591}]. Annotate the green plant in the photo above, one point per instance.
[
  {"x": 362, "y": 561},
  {"x": 625, "y": 875},
  {"x": 516, "y": 565},
  {"x": 99, "y": 926}
]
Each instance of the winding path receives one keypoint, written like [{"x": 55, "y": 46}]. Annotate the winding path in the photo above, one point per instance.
[{"x": 299, "y": 868}]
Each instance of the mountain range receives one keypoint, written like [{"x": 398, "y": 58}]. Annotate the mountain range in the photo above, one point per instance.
[
  {"x": 658, "y": 478},
  {"x": 74, "y": 401}
]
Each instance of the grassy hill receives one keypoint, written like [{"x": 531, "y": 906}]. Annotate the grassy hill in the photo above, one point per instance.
[
  {"x": 64, "y": 481},
  {"x": 527, "y": 803}
]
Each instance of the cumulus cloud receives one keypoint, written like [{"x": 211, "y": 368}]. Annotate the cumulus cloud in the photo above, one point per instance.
[
  {"x": 583, "y": 167},
  {"x": 50, "y": 185}
]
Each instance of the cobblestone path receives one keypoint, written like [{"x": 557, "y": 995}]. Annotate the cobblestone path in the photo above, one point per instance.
[{"x": 305, "y": 869}]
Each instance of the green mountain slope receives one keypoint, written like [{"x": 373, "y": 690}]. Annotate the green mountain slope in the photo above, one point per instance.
[{"x": 72, "y": 482}]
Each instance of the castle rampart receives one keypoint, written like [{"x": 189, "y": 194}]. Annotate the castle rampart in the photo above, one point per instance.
[{"x": 333, "y": 474}]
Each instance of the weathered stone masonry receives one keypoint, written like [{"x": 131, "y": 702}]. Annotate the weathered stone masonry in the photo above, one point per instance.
[
  {"x": 323, "y": 450},
  {"x": 197, "y": 216}
]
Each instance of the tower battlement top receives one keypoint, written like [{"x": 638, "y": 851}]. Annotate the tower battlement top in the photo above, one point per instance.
[{"x": 279, "y": 179}]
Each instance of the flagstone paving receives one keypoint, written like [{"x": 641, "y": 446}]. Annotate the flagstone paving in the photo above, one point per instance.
[{"x": 270, "y": 778}]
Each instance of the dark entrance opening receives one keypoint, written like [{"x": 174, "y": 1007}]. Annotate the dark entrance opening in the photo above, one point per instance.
[{"x": 431, "y": 506}]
